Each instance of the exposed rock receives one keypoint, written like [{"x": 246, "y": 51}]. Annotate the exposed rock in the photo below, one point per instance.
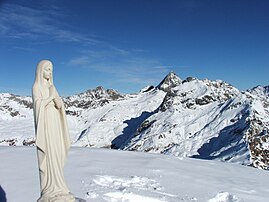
[
  {"x": 9, "y": 142},
  {"x": 169, "y": 82},
  {"x": 147, "y": 89},
  {"x": 204, "y": 100},
  {"x": 92, "y": 98},
  {"x": 145, "y": 125},
  {"x": 29, "y": 142},
  {"x": 188, "y": 79}
]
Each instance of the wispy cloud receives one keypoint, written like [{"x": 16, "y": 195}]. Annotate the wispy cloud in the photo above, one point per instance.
[
  {"x": 39, "y": 25},
  {"x": 22, "y": 22},
  {"x": 82, "y": 60},
  {"x": 126, "y": 66},
  {"x": 24, "y": 48}
]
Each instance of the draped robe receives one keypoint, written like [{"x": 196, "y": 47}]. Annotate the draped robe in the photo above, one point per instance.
[{"x": 52, "y": 141}]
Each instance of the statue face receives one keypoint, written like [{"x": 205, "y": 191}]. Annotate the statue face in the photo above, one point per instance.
[{"x": 47, "y": 72}]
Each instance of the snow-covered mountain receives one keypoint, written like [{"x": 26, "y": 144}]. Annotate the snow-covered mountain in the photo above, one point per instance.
[
  {"x": 16, "y": 120},
  {"x": 209, "y": 120},
  {"x": 90, "y": 99},
  {"x": 195, "y": 118}
]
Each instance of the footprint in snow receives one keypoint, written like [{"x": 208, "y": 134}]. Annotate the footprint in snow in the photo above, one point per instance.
[
  {"x": 131, "y": 189},
  {"x": 224, "y": 197}
]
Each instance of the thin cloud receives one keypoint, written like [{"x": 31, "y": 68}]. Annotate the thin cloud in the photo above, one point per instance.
[
  {"x": 18, "y": 22},
  {"x": 126, "y": 66},
  {"x": 137, "y": 79},
  {"x": 43, "y": 25},
  {"x": 3, "y": 29},
  {"x": 83, "y": 60},
  {"x": 24, "y": 48}
]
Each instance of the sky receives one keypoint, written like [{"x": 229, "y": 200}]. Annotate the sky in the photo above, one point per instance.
[{"x": 129, "y": 44}]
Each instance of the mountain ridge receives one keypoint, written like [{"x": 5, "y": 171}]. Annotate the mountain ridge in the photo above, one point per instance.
[{"x": 192, "y": 117}]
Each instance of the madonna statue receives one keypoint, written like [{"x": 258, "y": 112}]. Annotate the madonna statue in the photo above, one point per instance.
[{"x": 52, "y": 136}]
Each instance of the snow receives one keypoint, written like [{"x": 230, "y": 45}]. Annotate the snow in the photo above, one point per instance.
[
  {"x": 260, "y": 91},
  {"x": 102, "y": 125},
  {"x": 18, "y": 129},
  {"x": 224, "y": 197},
  {"x": 103, "y": 175}
]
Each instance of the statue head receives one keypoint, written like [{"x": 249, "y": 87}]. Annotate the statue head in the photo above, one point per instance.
[
  {"x": 44, "y": 72},
  {"x": 43, "y": 75}
]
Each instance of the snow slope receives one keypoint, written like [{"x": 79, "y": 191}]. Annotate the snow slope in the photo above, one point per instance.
[
  {"x": 116, "y": 176},
  {"x": 16, "y": 120},
  {"x": 111, "y": 125}
]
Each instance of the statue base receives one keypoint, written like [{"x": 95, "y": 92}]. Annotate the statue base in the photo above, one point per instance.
[
  {"x": 58, "y": 198},
  {"x": 79, "y": 200}
]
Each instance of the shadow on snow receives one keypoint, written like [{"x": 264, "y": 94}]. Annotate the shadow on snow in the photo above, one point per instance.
[
  {"x": 2, "y": 195},
  {"x": 231, "y": 136},
  {"x": 129, "y": 131}
]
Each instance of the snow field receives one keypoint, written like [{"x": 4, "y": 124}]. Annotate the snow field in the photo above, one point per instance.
[{"x": 103, "y": 175}]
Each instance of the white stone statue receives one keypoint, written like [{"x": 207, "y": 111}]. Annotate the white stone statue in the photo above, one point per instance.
[{"x": 52, "y": 136}]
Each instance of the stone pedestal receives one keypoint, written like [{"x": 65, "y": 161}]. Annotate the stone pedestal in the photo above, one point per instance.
[{"x": 80, "y": 200}]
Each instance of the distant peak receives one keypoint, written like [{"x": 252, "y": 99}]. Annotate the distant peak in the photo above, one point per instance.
[
  {"x": 171, "y": 74},
  {"x": 260, "y": 90},
  {"x": 170, "y": 81},
  {"x": 266, "y": 89}
]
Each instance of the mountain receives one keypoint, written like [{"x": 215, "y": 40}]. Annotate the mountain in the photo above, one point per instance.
[
  {"x": 92, "y": 98},
  {"x": 16, "y": 120},
  {"x": 261, "y": 91},
  {"x": 209, "y": 120},
  {"x": 191, "y": 118},
  {"x": 169, "y": 82}
]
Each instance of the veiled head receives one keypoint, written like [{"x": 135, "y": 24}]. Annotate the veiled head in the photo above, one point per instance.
[{"x": 44, "y": 71}]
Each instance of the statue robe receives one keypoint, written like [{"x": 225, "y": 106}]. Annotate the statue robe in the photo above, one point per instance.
[{"x": 52, "y": 141}]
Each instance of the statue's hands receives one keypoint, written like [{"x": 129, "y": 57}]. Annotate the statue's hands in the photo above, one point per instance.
[
  {"x": 52, "y": 95},
  {"x": 48, "y": 100},
  {"x": 55, "y": 97},
  {"x": 58, "y": 102},
  {"x": 52, "y": 92}
]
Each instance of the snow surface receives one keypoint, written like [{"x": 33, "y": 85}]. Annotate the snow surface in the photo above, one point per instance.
[
  {"x": 117, "y": 120},
  {"x": 116, "y": 176}
]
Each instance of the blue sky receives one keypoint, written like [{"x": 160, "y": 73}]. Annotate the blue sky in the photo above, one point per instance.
[{"x": 126, "y": 45}]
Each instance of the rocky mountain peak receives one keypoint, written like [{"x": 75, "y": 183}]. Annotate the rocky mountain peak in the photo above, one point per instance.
[
  {"x": 260, "y": 91},
  {"x": 169, "y": 82},
  {"x": 194, "y": 92},
  {"x": 100, "y": 93},
  {"x": 93, "y": 98}
]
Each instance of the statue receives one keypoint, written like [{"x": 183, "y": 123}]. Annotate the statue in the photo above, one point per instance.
[{"x": 52, "y": 136}]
